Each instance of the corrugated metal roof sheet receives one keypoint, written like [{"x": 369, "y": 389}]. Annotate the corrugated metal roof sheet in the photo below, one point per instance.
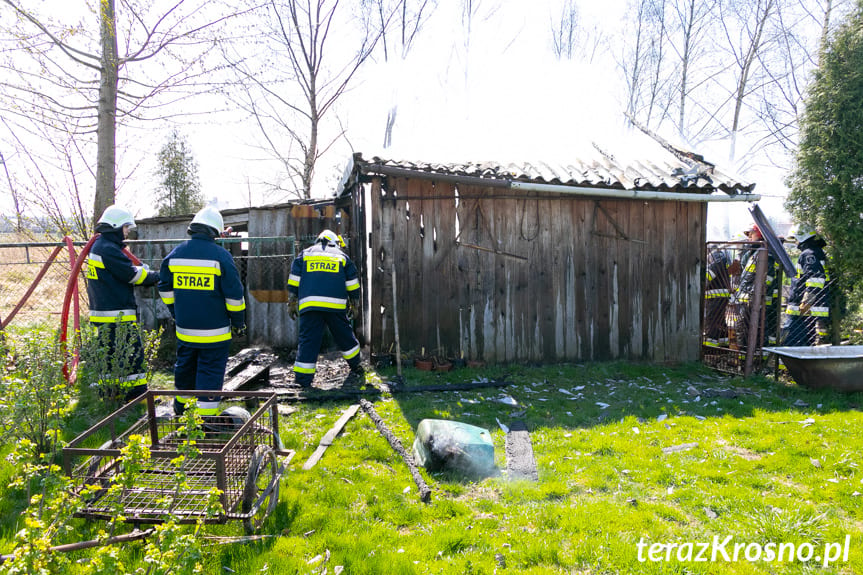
[{"x": 668, "y": 174}]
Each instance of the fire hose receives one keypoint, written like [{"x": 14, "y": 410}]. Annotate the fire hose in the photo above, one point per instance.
[{"x": 70, "y": 299}]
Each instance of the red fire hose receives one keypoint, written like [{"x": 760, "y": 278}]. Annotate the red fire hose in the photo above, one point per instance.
[{"x": 71, "y": 370}]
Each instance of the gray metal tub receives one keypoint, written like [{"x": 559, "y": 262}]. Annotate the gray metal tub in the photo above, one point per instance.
[{"x": 832, "y": 367}]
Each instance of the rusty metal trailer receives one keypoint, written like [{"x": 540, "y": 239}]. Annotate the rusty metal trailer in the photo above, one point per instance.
[{"x": 245, "y": 461}]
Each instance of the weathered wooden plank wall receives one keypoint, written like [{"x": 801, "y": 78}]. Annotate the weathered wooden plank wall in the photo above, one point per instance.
[{"x": 535, "y": 277}]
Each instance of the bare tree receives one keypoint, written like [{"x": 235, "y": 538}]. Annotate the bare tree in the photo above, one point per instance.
[
  {"x": 644, "y": 63},
  {"x": 746, "y": 40},
  {"x": 564, "y": 32},
  {"x": 688, "y": 40},
  {"x": 16, "y": 198},
  {"x": 802, "y": 28},
  {"x": 571, "y": 39},
  {"x": 291, "y": 93},
  {"x": 142, "y": 62},
  {"x": 400, "y": 23}
]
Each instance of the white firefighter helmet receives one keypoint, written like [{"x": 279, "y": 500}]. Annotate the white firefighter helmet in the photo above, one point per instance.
[
  {"x": 210, "y": 217},
  {"x": 329, "y": 237},
  {"x": 117, "y": 217},
  {"x": 800, "y": 233}
]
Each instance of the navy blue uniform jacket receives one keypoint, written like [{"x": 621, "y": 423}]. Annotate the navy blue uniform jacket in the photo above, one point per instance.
[
  {"x": 199, "y": 283},
  {"x": 111, "y": 277}
]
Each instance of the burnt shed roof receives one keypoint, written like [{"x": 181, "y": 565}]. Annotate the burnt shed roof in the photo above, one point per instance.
[{"x": 672, "y": 172}]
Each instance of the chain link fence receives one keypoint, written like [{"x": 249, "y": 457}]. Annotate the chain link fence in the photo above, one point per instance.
[
  {"x": 43, "y": 270},
  {"x": 24, "y": 301}
]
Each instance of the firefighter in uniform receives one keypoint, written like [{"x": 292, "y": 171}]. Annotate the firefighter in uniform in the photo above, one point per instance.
[
  {"x": 808, "y": 309},
  {"x": 324, "y": 287},
  {"x": 747, "y": 287},
  {"x": 716, "y": 294},
  {"x": 200, "y": 285},
  {"x": 111, "y": 277}
]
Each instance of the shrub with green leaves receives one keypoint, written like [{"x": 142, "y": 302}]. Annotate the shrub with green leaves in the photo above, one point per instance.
[
  {"x": 49, "y": 519},
  {"x": 108, "y": 358},
  {"x": 35, "y": 396}
]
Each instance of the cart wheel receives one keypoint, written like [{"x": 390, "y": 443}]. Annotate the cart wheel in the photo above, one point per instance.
[{"x": 262, "y": 488}]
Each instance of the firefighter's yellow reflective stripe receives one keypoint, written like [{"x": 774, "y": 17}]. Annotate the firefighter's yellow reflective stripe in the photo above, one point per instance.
[
  {"x": 710, "y": 275},
  {"x": 113, "y": 315},
  {"x": 94, "y": 262},
  {"x": 167, "y": 297},
  {"x": 711, "y": 343},
  {"x": 140, "y": 275},
  {"x": 327, "y": 302},
  {"x": 325, "y": 257},
  {"x": 191, "y": 266},
  {"x": 714, "y": 293},
  {"x": 815, "y": 283},
  {"x": 820, "y": 311},
  {"x": 235, "y": 304},
  {"x": 351, "y": 352},
  {"x": 294, "y": 280},
  {"x": 206, "y": 282},
  {"x": 353, "y": 284},
  {"x": 331, "y": 264},
  {"x": 204, "y": 335},
  {"x": 300, "y": 367},
  {"x": 207, "y": 408}
]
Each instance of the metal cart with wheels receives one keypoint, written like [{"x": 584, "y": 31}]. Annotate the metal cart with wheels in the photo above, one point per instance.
[{"x": 244, "y": 459}]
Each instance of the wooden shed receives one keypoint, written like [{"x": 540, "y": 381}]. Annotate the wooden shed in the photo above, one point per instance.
[
  {"x": 593, "y": 260},
  {"x": 266, "y": 239}
]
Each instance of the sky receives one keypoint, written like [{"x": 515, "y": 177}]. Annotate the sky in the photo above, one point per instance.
[
  {"x": 489, "y": 102},
  {"x": 502, "y": 98}
]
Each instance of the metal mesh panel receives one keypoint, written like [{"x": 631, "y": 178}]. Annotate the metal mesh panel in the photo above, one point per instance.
[
  {"x": 742, "y": 315},
  {"x": 224, "y": 463},
  {"x": 20, "y": 265},
  {"x": 264, "y": 265}
]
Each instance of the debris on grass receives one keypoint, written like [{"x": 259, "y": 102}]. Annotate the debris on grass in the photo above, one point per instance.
[{"x": 679, "y": 448}]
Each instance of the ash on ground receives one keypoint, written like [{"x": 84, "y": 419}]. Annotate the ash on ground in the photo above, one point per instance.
[{"x": 332, "y": 373}]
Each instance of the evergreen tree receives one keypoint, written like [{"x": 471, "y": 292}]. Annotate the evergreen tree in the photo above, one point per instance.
[
  {"x": 827, "y": 179},
  {"x": 179, "y": 187}
]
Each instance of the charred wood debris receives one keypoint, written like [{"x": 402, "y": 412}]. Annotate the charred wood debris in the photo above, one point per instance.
[{"x": 262, "y": 369}]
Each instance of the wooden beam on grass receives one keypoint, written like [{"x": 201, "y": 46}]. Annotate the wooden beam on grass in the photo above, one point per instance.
[
  {"x": 520, "y": 462},
  {"x": 257, "y": 370},
  {"x": 330, "y": 436},
  {"x": 425, "y": 491}
]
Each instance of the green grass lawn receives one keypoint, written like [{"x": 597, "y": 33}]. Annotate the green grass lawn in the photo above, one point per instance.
[{"x": 629, "y": 456}]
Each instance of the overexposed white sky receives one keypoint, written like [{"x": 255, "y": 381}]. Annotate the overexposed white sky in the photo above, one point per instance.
[{"x": 501, "y": 97}]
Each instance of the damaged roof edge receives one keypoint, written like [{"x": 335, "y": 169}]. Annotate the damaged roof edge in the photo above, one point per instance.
[{"x": 358, "y": 166}]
